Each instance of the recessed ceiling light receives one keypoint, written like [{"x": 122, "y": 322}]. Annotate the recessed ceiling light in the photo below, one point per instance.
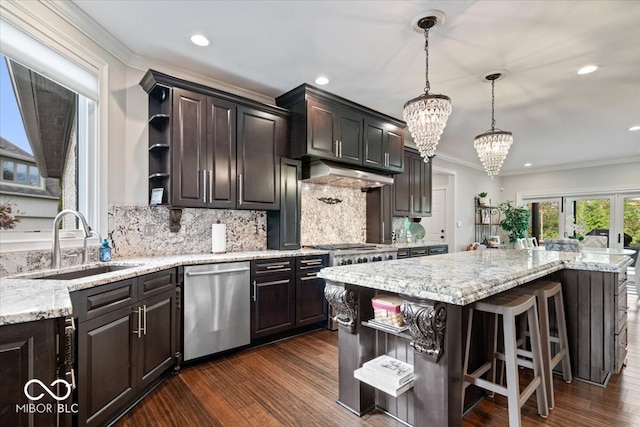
[
  {"x": 200, "y": 40},
  {"x": 527, "y": 165},
  {"x": 634, "y": 128},
  {"x": 587, "y": 69},
  {"x": 322, "y": 80}
]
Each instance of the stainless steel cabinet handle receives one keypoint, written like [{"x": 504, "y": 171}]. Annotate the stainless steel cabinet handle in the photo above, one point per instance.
[
  {"x": 211, "y": 273},
  {"x": 309, "y": 277},
  {"x": 275, "y": 282},
  {"x": 211, "y": 186},
  {"x": 337, "y": 144},
  {"x": 240, "y": 189},
  {"x": 204, "y": 186},
  {"x": 382, "y": 239},
  {"x": 139, "y": 330},
  {"x": 271, "y": 267},
  {"x": 411, "y": 203},
  {"x": 424, "y": 203},
  {"x": 386, "y": 159},
  {"x": 144, "y": 311},
  {"x": 255, "y": 291},
  {"x": 340, "y": 147},
  {"x": 310, "y": 262},
  {"x": 71, "y": 373}
]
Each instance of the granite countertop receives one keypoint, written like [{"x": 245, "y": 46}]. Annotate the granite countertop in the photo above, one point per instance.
[
  {"x": 464, "y": 277},
  {"x": 26, "y": 298}
]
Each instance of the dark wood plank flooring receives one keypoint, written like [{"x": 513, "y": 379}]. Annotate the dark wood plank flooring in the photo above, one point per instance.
[{"x": 294, "y": 383}]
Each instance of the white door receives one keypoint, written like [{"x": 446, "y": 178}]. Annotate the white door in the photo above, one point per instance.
[{"x": 435, "y": 226}]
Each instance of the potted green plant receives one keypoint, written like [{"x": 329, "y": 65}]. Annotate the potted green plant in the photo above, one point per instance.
[
  {"x": 516, "y": 220},
  {"x": 482, "y": 198}
]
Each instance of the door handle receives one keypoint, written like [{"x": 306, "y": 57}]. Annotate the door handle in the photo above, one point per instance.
[
  {"x": 139, "y": 330},
  {"x": 340, "y": 149},
  {"x": 309, "y": 277},
  {"x": 337, "y": 149},
  {"x": 240, "y": 189},
  {"x": 211, "y": 273}
]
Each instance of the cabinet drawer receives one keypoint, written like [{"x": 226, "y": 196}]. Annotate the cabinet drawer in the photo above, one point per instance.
[
  {"x": 439, "y": 249},
  {"x": 403, "y": 253},
  {"x": 622, "y": 277},
  {"x": 621, "y": 349},
  {"x": 271, "y": 266},
  {"x": 103, "y": 299},
  {"x": 622, "y": 287},
  {"x": 156, "y": 283},
  {"x": 421, "y": 251},
  {"x": 310, "y": 262}
]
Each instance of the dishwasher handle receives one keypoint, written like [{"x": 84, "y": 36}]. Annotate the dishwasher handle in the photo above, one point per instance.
[{"x": 215, "y": 272}]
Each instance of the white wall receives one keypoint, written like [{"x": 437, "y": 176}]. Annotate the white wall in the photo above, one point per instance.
[{"x": 613, "y": 178}]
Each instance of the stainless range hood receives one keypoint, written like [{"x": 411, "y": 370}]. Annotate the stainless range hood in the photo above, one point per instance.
[{"x": 338, "y": 175}]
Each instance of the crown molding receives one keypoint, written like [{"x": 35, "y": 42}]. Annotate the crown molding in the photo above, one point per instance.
[
  {"x": 77, "y": 18},
  {"x": 568, "y": 166}
]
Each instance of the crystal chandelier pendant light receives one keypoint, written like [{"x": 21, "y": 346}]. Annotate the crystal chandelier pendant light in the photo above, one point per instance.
[
  {"x": 427, "y": 114},
  {"x": 493, "y": 145}
]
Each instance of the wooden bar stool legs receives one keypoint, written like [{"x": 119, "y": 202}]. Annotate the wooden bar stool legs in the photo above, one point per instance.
[
  {"x": 544, "y": 291},
  {"x": 509, "y": 306}
]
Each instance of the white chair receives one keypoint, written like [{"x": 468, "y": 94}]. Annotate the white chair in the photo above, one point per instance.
[
  {"x": 532, "y": 242},
  {"x": 521, "y": 243}
]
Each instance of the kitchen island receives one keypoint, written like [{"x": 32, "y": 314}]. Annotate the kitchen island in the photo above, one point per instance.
[{"x": 435, "y": 291}]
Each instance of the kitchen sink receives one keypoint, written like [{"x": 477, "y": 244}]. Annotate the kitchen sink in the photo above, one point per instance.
[{"x": 86, "y": 273}]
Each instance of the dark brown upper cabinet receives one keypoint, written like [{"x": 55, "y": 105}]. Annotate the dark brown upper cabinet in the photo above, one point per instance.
[
  {"x": 326, "y": 126},
  {"x": 212, "y": 149},
  {"x": 383, "y": 145},
  {"x": 412, "y": 188}
]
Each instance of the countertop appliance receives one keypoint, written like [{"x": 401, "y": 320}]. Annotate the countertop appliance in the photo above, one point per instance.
[
  {"x": 355, "y": 253},
  {"x": 217, "y": 313}
]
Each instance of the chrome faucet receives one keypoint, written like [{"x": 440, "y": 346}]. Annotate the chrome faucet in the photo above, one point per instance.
[{"x": 55, "y": 253}]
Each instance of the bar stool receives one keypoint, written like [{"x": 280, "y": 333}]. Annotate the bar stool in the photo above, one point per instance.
[
  {"x": 544, "y": 291},
  {"x": 509, "y": 306}
]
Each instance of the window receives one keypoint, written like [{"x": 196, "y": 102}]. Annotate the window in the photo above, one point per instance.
[
  {"x": 68, "y": 65},
  {"x": 20, "y": 173}
]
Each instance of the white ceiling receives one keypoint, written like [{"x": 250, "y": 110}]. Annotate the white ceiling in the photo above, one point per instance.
[{"x": 373, "y": 57}]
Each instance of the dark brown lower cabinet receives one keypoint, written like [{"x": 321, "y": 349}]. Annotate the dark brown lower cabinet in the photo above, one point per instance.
[
  {"x": 311, "y": 305},
  {"x": 272, "y": 304},
  {"x": 27, "y": 351},
  {"x": 122, "y": 352}
]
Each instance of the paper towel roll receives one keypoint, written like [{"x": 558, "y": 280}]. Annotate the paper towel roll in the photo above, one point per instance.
[{"x": 218, "y": 238}]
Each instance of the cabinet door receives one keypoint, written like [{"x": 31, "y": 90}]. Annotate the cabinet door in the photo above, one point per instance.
[
  {"x": 402, "y": 188},
  {"x": 27, "y": 351},
  {"x": 188, "y": 153},
  {"x": 260, "y": 136},
  {"x": 283, "y": 226},
  {"x": 383, "y": 145},
  {"x": 157, "y": 346},
  {"x": 272, "y": 305},
  {"x": 426, "y": 188},
  {"x": 379, "y": 215},
  {"x": 221, "y": 153},
  {"x": 416, "y": 183},
  {"x": 311, "y": 305},
  {"x": 322, "y": 135},
  {"x": 349, "y": 133},
  {"x": 106, "y": 369}
]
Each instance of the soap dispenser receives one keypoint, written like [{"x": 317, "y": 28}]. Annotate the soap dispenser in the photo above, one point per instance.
[{"x": 105, "y": 251}]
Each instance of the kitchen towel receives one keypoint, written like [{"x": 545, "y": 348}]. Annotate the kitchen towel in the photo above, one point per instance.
[{"x": 218, "y": 238}]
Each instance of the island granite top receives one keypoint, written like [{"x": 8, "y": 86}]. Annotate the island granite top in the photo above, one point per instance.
[{"x": 462, "y": 278}]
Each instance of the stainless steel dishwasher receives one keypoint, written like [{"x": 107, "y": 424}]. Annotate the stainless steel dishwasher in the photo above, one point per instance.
[{"x": 216, "y": 308}]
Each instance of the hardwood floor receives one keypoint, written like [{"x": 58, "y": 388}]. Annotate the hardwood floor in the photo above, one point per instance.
[{"x": 294, "y": 383}]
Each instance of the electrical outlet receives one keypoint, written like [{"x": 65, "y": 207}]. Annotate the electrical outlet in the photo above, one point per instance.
[{"x": 149, "y": 230}]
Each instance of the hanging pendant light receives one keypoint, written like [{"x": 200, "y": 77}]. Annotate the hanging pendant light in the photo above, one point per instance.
[
  {"x": 493, "y": 145},
  {"x": 427, "y": 115}
]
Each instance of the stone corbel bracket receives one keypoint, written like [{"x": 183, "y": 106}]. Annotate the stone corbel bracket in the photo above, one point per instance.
[
  {"x": 345, "y": 302},
  {"x": 427, "y": 326}
]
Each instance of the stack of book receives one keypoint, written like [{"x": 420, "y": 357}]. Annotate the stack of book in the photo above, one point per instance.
[{"x": 387, "y": 374}]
